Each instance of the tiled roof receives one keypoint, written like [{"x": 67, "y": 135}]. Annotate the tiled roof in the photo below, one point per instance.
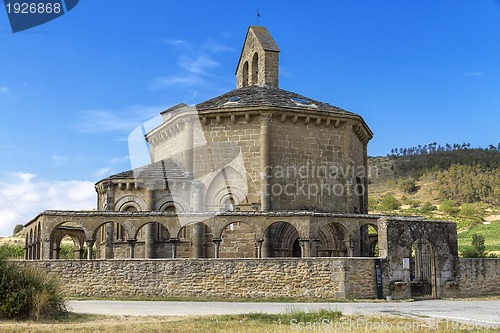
[
  {"x": 256, "y": 96},
  {"x": 162, "y": 170}
]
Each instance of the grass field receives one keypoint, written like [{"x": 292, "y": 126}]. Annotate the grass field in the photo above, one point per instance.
[
  {"x": 491, "y": 233},
  {"x": 318, "y": 321}
]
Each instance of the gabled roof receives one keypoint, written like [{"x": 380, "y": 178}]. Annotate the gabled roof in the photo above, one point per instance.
[
  {"x": 162, "y": 170},
  {"x": 265, "y": 40},
  {"x": 264, "y": 37}
]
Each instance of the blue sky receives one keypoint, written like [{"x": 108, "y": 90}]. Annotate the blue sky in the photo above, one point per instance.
[{"x": 73, "y": 89}]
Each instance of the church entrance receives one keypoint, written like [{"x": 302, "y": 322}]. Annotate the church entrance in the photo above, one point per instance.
[{"x": 422, "y": 269}]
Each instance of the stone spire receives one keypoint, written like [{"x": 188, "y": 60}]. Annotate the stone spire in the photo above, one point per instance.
[{"x": 258, "y": 64}]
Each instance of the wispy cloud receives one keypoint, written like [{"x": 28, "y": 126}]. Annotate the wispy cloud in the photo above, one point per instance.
[
  {"x": 196, "y": 63},
  {"x": 103, "y": 172},
  {"x": 4, "y": 90},
  {"x": 115, "y": 120},
  {"x": 473, "y": 73},
  {"x": 23, "y": 196},
  {"x": 180, "y": 79}
]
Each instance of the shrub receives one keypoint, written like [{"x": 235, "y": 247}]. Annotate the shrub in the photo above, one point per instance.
[
  {"x": 410, "y": 202},
  {"x": 478, "y": 249},
  {"x": 448, "y": 207},
  {"x": 389, "y": 203},
  {"x": 408, "y": 185},
  {"x": 473, "y": 212},
  {"x": 28, "y": 293},
  {"x": 372, "y": 203},
  {"x": 478, "y": 244},
  {"x": 12, "y": 251},
  {"x": 428, "y": 207},
  {"x": 17, "y": 228}
]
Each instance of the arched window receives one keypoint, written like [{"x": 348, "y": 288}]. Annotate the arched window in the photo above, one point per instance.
[
  {"x": 245, "y": 74},
  {"x": 255, "y": 68},
  {"x": 229, "y": 204}
]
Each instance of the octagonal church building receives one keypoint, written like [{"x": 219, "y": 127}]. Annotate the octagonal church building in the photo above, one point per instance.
[{"x": 258, "y": 172}]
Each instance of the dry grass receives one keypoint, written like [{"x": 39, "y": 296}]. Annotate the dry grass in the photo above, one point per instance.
[{"x": 234, "y": 323}]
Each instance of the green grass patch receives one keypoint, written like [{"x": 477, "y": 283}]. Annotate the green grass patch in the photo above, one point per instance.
[{"x": 491, "y": 233}]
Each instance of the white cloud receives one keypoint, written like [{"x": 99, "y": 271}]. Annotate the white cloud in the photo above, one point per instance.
[
  {"x": 473, "y": 73},
  {"x": 174, "y": 80},
  {"x": 23, "y": 196},
  {"x": 108, "y": 120},
  {"x": 198, "y": 65},
  {"x": 103, "y": 172},
  {"x": 4, "y": 90},
  {"x": 196, "y": 62}
]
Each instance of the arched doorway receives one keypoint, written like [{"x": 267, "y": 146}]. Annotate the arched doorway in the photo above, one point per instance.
[
  {"x": 331, "y": 237},
  {"x": 67, "y": 241},
  {"x": 422, "y": 269},
  {"x": 281, "y": 239}
]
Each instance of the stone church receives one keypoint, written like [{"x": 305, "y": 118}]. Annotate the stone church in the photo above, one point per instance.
[{"x": 258, "y": 172}]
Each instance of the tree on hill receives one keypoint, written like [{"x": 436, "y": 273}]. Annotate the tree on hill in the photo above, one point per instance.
[{"x": 17, "y": 228}]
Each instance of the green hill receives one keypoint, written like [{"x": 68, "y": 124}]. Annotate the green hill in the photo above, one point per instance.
[{"x": 451, "y": 182}]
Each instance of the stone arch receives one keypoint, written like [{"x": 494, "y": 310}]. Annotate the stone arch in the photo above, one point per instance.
[
  {"x": 67, "y": 229},
  {"x": 228, "y": 184},
  {"x": 195, "y": 240},
  {"x": 245, "y": 74},
  {"x": 331, "y": 238},
  {"x": 255, "y": 68},
  {"x": 281, "y": 240},
  {"x": 130, "y": 201},
  {"x": 179, "y": 204},
  {"x": 238, "y": 240},
  {"x": 152, "y": 240},
  {"x": 106, "y": 243}
]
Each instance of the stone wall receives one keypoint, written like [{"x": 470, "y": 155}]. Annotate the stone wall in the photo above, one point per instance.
[
  {"x": 478, "y": 277},
  {"x": 249, "y": 278}
]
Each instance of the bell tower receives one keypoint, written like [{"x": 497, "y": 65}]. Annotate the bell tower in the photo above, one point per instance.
[{"x": 258, "y": 64}]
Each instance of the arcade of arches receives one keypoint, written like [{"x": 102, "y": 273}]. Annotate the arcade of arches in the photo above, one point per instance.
[{"x": 168, "y": 234}]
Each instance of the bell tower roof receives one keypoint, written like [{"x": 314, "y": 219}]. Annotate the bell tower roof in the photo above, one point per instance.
[{"x": 258, "y": 63}]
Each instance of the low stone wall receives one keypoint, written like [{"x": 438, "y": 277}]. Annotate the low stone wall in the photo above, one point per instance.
[
  {"x": 478, "y": 277},
  {"x": 249, "y": 278}
]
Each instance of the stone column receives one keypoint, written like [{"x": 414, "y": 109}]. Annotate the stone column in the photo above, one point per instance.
[
  {"x": 265, "y": 162},
  {"x": 174, "y": 242},
  {"x": 90, "y": 247},
  {"x": 305, "y": 246},
  {"x": 365, "y": 180},
  {"x": 149, "y": 239},
  {"x": 349, "y": 245},
  {"x": 37, "y": 250},
  {"x": 29, "y": 252},
  {"x": 188, "y": 141},
  {"x": 217, "y": 247},
  {"x": 198, "y": 235},
  {"x": 349, "y": 164},
  {"x": 266, "y": 245},
  {"x": 110, "y": 227},
  {"x": 131, "y": 247},
  {"x": 259, "y": 248}
]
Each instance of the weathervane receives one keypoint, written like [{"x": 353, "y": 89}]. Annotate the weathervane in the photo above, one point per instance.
[{"x": 258, "y": 15}]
